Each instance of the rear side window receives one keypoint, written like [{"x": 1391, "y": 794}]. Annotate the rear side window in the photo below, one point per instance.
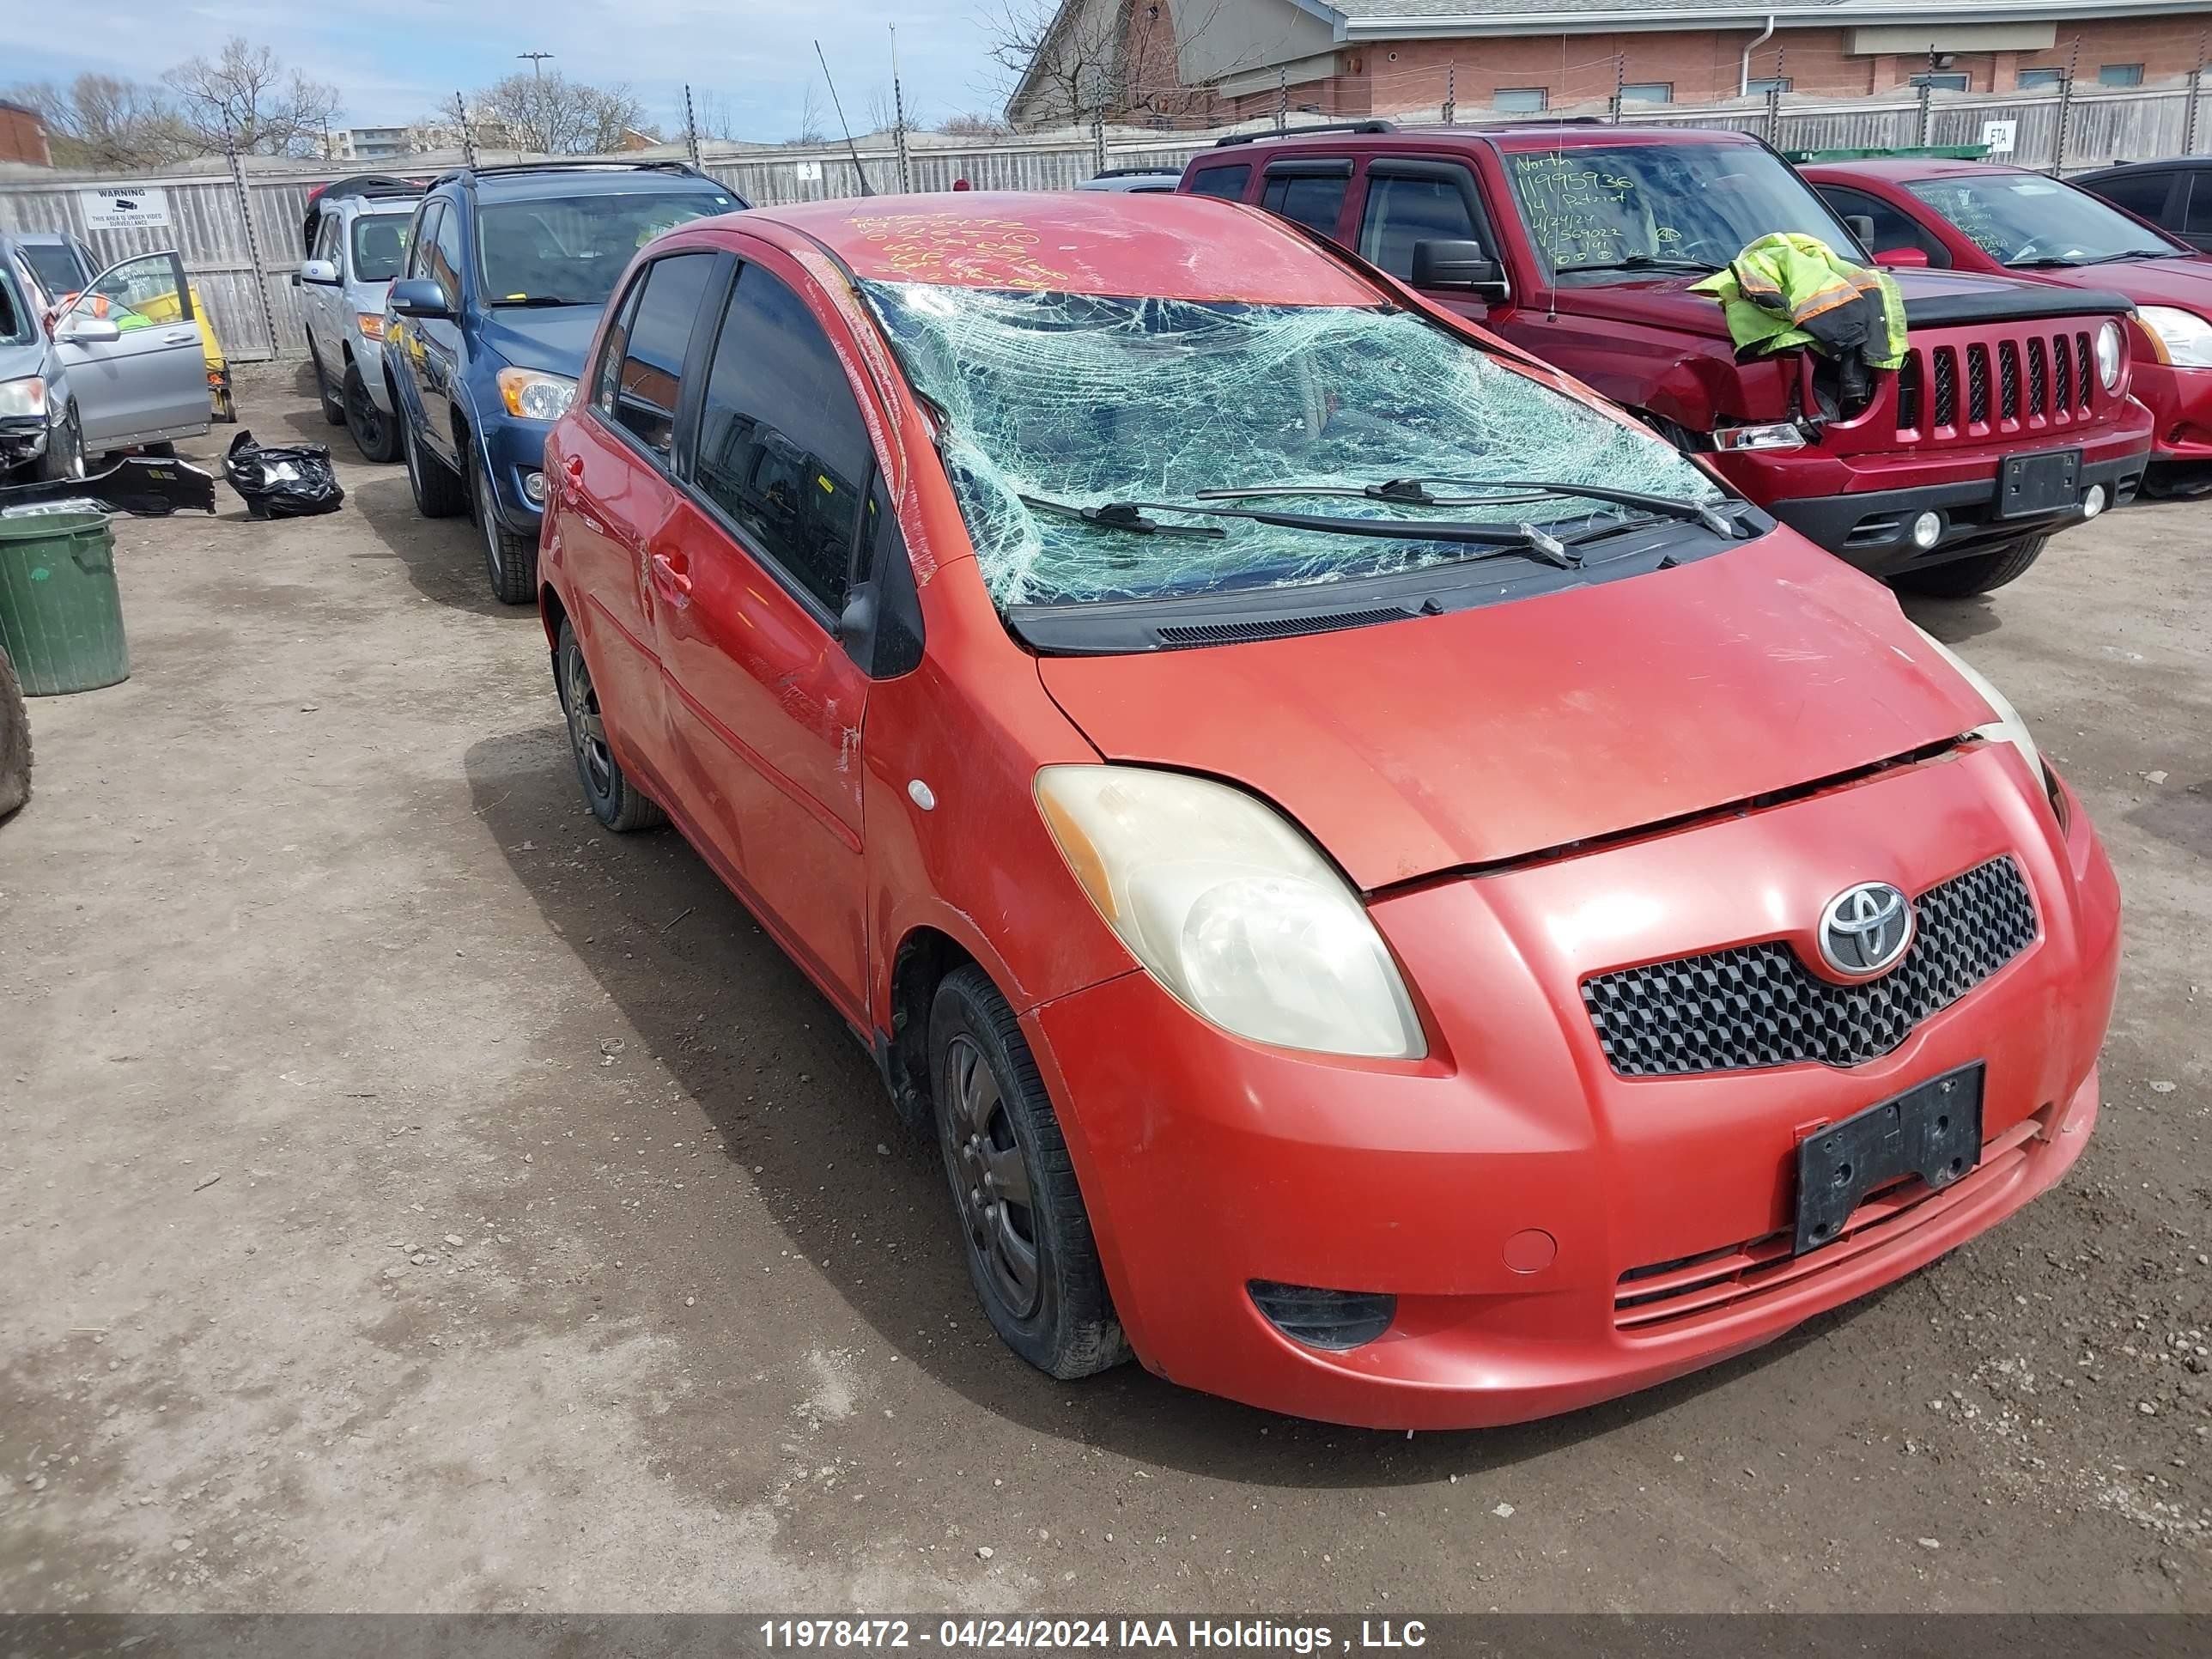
[
  {"x": 1228, "y": 183},
  {"x": 2197, "y": 219},
  {"x": 650, "y": 378},
  {"x": 379, "y": 244},
  {"x": 326, "y": 238},
  {"x": 2142, "y": 194},
  {"x": 1315, "y": 202},
  {"x": 782, "y": 449},
  {"x": 1402, "y": 212},
  {"x": 445, "y": 259}
]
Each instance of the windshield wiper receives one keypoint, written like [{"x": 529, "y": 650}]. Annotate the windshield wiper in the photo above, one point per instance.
[
  {"x": 529, "y": 299},
  {"x": 2053, "y": 262},
  {"x": 1637, "y": 262},
  {"x": 1414, "y": 492},
  {"x": 1523, "y": 538},
  {"x": 1120, "y": 515}
]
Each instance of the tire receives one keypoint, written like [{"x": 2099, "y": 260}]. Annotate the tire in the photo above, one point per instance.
[
  {"x": 1984, "y": 573},
  {"x": 438, "y": 493},
  {"x": 615, "y": 801},
  {"x": 375, "y": 434},
  {"x": 333, "y": 404},
  {"x": 64, "y": 456},
  {"x": 510, "y": 561},
  {"x": 14, "y": 740},
  {"x": 1034, "y": 1264}
]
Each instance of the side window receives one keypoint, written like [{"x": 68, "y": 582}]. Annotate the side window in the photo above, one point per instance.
[
  {"x": 1315, "y": 200},
  {"x": 1402, "y": 211},
  {"x": 326, "y": 237},
  {"x": 651, "y": 375},
  {"x": 2142, "y": 194},
  {"x": 608, "y": 374},
  {"x": 445, "y": 257},
  {"x": 1227, "y": 183},
  {"x": 2197, "y": 216},
  {"x": 426, "y": 227},
  {"x": 782, "y": 449},
  {"x": 1892, "y": 227}
]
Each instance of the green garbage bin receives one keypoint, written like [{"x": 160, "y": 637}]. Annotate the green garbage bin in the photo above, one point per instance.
[{"x": 61, "y": 615}]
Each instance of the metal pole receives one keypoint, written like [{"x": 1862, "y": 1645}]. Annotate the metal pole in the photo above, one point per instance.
[
  {"x": 1451, "y": 92},
  {"x": 2066, "y": 106},
  {"x": 691, "y": 126},
  {"x": 1099, "y": 140},
  {"x": 1619, "y": 84},
  {"x": 252, "y": 240},
  {"x": 898, "y": 119},
  {"x": 2196, "y": 91},
  {"x": 1774, "y": 98},
  {"x": 1282, "y": 100},
  {"x": 468, "y": 144},
  {"x": 1928, "y": 102}
]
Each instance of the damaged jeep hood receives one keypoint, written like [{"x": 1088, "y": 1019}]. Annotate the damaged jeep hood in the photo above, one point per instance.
[{"x": 1437, "y": 743}]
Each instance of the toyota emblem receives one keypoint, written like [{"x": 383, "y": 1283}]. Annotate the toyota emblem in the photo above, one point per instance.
[{"x": 1865, "y": 929}]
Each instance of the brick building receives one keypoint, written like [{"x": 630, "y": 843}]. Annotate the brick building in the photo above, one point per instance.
[
  {"x": 23, "y": 136},
  {"x": 1191, "y": 62}
]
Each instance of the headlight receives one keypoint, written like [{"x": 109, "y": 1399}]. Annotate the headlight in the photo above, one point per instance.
[
  {"x": 535, "y": 395},
  {"x": 1232, "y": 909},
  {"x": 1777, "y": 434},
  {"x": 23, "y": 397},
  {"x": 2180, "y": 337},
  {"x": 372, "y": 324},
  {"x": 2109, "y": 355},
  {"x": 2007, "y": 727}
]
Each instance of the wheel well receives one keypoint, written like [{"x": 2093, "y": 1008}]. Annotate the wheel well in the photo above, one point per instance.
[
  {"x": 552, "y": 612},
  {"x": 924, "y": 957}
]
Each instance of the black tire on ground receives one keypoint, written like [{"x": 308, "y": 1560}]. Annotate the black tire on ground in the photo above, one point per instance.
[
  {"x": 1025, "y": 1233},
  {"x": 438, "y": 493},
  {"x": 64, "y": 456},
  {"x": 615, "y": 801},
  {"x": 14, "y": 740},
  {"x": 510, "y": 561},
  {"x": 1982, "y": 574},
  {"x": 375, "y": 434},
  {"x": 333, "y": 404}
]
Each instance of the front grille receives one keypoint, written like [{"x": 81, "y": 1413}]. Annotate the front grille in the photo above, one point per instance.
[
  {"x": 2009, "y": 380},
  {"x": 1908, "y": 393},
  {"x": 2038, "y": 379},
  {"x": 1978, "y": 385},
  {"x": 1947, "y": 388},
  {"x": 1945, "y": 392},
  {"x": 2082, "y": 353},
  {"x": 1758, "y": 1006}
]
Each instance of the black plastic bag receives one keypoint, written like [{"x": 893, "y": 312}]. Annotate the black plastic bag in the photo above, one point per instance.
[{"x": 289, "y": 481}]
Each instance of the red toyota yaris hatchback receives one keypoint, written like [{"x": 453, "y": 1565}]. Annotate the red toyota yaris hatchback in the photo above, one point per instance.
[{"x": 1400, "y": 898}]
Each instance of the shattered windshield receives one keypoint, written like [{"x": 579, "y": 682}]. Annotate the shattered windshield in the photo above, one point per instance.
[
  {"x": 1082, "y": 400},
  {"x": 1597, "y": 210}
]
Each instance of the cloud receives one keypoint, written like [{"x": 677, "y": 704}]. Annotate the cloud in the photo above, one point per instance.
[{"x": 396, "y": 60}]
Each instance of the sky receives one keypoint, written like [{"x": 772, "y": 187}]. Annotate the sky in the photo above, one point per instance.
[{"x": 393, "y": 60}]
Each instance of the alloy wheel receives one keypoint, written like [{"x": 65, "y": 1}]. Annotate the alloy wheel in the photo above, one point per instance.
[
  {"x": 587, "y": 731},
  {"x": 366, "y": 419},
  {"x": 989, "y": 1166}
]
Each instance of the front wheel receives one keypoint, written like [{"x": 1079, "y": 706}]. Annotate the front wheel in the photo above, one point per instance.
[
  {"x": 375, "y": 434},
  {"x": 1030, "y": 1254},
  {"x": 1984, "y": 573},
  {"x": 615, "y": 801},
  {"x": 511, "y": 560},
  {"x": 64, "y": 456}
]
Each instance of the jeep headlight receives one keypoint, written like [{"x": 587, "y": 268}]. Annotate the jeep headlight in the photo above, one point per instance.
[
  {"x": 1228, "y": 906},
  {"x": 2110, "y": 355},
  {"x": 2180, "y": 337},
  {"x": 534, "y": 395}
]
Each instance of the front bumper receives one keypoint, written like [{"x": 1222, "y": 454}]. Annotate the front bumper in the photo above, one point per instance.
[
  {"x": 1873, "y": 530},
  {"x": 2180, "y": 404},
  {"x": 23, "y": 440},
  {"x": 1502, "y": 1187},
  {"x": 515, "y": 450}
]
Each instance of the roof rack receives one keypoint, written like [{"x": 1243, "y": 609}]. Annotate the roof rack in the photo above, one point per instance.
[
  {"x": 1300, "y": 132},
  {"x": 367, "y": 185},
  {"x": 502, "y": 168},
  {"x": 1132, "y": 173}
]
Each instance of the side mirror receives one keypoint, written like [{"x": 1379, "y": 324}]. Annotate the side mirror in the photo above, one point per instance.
[
  {"x": 319, "y": 271},
  {"x": 89, "y": 331},
  {"x": 1862, "y": 226},
  {"x": 418, "y": 296},
  {"x": 1457, "y": 264},
  {"x": 1902, "y": 258},
  {"x": 856, "y": 625}
]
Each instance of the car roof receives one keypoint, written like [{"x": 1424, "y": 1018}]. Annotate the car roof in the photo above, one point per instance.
[
  {"x": 537, "y": 183},
  {"x": 1904, "y": 169},
  {"x": 1509, "y": 136},
  {"x": 2120, "y": 169},
  {"x": 1102, "y": 242},
  {"x": 38, "y": 237}
]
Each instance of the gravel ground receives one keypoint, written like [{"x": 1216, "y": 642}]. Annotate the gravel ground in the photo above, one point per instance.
[{"x": 412, "y": 1198}]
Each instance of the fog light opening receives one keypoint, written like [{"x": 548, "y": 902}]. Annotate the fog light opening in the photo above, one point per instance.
[
  {"x": 534, "y": 487},
  {"x": 1927, "y": 530},
  {"x": 2093, "y": 503},
  {"x": 1335, "y": 1320}
]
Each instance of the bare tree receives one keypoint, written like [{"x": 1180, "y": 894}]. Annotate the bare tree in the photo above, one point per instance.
[
  {"x": 882, "y": 113},
  {"x": 245, "y": 92},
  {"x": 552, "y": 115},
  {"x": 1097, "y": 57},
  {"x": 973, "y": 124},
  {"x": 100, "y": 121}
]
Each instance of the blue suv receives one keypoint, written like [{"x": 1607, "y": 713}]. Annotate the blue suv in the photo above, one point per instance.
[{"x": 486, "y": 328}]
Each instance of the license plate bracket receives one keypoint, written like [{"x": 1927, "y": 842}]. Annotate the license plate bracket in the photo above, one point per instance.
[
  {"x": 2048, "y": 481},
  {"x": 1933, "y": 1131}
]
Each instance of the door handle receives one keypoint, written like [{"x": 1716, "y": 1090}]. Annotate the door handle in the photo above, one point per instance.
[
  {"x": 668, "y": 574},
  {"x": 181, "y": 337},
  {"x": 574, "y": 466}
]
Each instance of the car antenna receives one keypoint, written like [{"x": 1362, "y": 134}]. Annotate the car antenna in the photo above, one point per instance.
[{"x": 853, "y": 148}]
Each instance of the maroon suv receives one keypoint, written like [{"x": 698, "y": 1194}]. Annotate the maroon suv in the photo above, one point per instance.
[{"x": 1581, "y": 243}]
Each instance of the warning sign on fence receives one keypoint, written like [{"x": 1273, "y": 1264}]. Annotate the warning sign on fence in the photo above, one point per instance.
[{"x": 126, "y": 209}]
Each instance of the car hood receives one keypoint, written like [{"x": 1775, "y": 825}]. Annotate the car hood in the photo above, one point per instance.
[
  {"x": 21, "y": 359},
  {"x": 553, "y": 338},
  {"x": 2185, "y": 282},
  {"x": 1932, "y": 299},
  {"x": 1442, "y": 743}
]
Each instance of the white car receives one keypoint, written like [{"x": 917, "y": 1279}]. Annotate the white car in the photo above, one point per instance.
[{"x": 356, "y": 242}]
